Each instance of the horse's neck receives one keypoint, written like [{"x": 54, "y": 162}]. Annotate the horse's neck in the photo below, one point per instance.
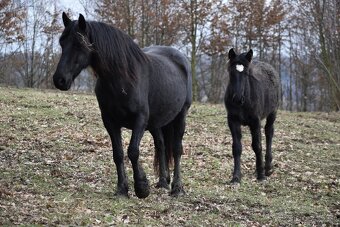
[
  {"x": 109, "y": 71},
  {"x": 108, "y": 81},
  {"x": 116, "y": 88}
]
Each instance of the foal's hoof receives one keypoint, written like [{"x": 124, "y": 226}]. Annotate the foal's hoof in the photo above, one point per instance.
[
  {"x": 261, "y": 178},
  {"x": 142, "y": 189},
  {"x": 162, "y": 183},
  {"x": 269, "y": 171},
  {"x": 177, "y": 190},
  {"x": 235, "y": 180}
]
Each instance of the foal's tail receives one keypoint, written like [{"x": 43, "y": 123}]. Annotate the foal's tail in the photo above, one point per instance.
[{"x": 168, "y": 135}]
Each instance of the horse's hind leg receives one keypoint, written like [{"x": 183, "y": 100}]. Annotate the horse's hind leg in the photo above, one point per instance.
[
  {"x": 161, "y": 158},
  {"x": 255, "y": 129},
  {"x": 269, "y": 132},
  {"x": 178, "y": 130}
]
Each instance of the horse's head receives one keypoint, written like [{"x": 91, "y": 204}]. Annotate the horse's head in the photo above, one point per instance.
[
  {"x": 239, "y": 73},
  {"x": 76, "y": 52}
]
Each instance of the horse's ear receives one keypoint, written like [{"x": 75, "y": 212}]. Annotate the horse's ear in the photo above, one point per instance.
[
  {"x": 249, "y": 55},
  {"x": 82, "y": 22},
  {"x": 231, "y": 53},
  {"x": 66, "y": 20}
]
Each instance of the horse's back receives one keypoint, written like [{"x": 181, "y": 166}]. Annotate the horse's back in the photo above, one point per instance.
[
  {"x": 172, "y": 54},
  {"x": 270, "y": 83},
  {"x": 172, "y": 64},
  {"x": 169, "y": 83},
  {"x": 266, "y": 73}
]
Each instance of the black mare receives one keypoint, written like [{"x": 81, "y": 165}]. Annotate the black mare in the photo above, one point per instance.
[
  {"x": 137, "y": 89},
  {"x": 252, "y": 95}
]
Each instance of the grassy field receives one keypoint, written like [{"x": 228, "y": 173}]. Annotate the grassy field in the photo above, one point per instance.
[{"x": 57, "y": 169}]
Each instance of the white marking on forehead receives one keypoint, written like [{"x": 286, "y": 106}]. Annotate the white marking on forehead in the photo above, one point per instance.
[{"x": 240, "y": 68}]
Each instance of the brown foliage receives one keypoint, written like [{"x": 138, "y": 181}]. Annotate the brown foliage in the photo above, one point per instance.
[
  {"x": 11, "y": 16},
  {"x": 146, "y": 21}
]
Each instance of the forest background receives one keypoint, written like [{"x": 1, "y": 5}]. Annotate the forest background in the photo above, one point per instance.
[{"x": 300, "y": 38}]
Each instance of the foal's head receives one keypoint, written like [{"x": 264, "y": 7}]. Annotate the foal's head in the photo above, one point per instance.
[
  {"x": 76, "y": 52},
  {"x": 239, "y": 72}
]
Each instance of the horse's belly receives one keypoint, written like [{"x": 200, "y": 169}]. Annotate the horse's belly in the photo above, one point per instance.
[
  {"x": 164, "y": 111},
  {"x": 163, "y": 116}
]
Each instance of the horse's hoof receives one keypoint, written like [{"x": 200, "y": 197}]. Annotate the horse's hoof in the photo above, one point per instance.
[
  {"x": 121, "y": 194},
  {"x": 122, "y": 190},
  {"x": 162, "y": 183},
  {"x": 142, "y": 189},
  {"x": 177, "y": 190},
  {"x": 261, "y": 178},
  {"x": 235, "y": 180},
  {"x": 269, "y": 171}
]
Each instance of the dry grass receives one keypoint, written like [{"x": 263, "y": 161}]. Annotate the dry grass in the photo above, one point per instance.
[{"x": 57, "y": 169}]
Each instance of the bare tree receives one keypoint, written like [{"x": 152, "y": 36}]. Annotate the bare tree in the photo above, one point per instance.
[
  {"x": 50, "y": 53},
  {"x": 11, "y": 31},
  {"x": 301, "y": 39}
]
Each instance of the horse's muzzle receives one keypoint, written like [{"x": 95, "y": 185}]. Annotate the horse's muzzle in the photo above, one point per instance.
[{"x": 61, "y": 83}]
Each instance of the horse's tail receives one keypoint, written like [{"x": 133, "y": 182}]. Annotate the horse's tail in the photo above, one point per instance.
[{"x": 168, "y": 135}]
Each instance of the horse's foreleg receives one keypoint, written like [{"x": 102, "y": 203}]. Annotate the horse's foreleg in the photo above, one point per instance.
[
  {"x": 118, "y": 156},
  {"x": 141, "y": 183},
  {"x": 178, "y": 130},
  {"x": 158, "y": 138},
  {"x": 269, "y": 132},
  {"x": 235, "y": 129},
  {"x": 255, "y": 129}
]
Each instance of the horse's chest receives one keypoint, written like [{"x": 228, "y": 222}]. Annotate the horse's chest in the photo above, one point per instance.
[
  {"x": 120, "y": 110},
  {"x": 240, "y": 114},
  {"x": 116, "y": 110}
]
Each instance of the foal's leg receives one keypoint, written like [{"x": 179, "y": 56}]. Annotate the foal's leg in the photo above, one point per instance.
[
  {"x": 118, "y": 156},
  {"x": 255, "y": 129},
  {"x": 141, "y": 183},
  {"x": 158, "y": 138},
  {"x": 269, "y": 132},
  {"x": 179, "y": 128},
  {"x": 235, "y": 129}
]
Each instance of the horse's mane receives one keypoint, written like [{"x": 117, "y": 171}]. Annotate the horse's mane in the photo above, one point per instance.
[{"x": 117, "y": 52}]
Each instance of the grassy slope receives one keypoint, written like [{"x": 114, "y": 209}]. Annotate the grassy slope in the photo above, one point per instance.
[{"x": 56, "y": 168}]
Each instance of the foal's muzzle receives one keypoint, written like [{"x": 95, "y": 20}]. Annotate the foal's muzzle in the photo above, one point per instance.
[{"x": 238, "y": 99}]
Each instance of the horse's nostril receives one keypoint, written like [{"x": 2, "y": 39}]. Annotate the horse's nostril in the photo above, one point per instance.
[{"x": 61, "y": 81}]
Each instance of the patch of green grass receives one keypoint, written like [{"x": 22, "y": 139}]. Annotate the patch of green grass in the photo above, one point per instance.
[{"x": 57, "y": 169}]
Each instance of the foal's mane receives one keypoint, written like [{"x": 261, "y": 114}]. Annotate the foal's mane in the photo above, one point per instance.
[{"x": 117, "y": 52}]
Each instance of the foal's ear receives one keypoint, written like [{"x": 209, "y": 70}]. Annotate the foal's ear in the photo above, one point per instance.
[
  {"x": 66, "y": 20},
  {"x": 82, "y": 22},
  {"x": 231, "y": 53},
  {"x": 249, "y": 55}
]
